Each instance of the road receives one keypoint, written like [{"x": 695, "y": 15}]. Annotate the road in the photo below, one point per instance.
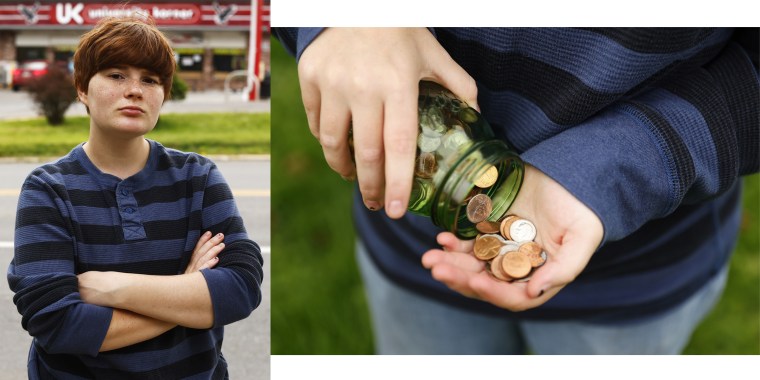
[
  {"x": 246, "y": 343},
  {"x": 18, "y": 105}
]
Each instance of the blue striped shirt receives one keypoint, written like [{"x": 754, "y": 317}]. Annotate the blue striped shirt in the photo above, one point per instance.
[
  {"x": 73, "y": 218},
  {"x": 651, "y": 128}
]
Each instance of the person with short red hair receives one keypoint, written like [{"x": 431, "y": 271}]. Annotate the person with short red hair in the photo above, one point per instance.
[{"x": 130, "y": 257}]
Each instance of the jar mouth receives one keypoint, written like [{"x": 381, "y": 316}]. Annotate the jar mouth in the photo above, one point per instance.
[{"x": 450, "y": 201}]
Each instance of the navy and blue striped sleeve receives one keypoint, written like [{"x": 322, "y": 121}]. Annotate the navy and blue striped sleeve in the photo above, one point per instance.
[
  {"x": 685, "y": 140},
  {"x": 42, "y": 275},
  {"x": 235, "y": 282},
  {"x": 295, "y": 40}
]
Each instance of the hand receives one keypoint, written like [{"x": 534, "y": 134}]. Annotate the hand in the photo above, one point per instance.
[
  {"x": 568, "y": 231},
  {"x": 369, "y": 78},
  {"x": 205, "y": 253}
]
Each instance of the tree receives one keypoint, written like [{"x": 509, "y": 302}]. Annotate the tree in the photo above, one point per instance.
[{"x": 53, "y": 93}]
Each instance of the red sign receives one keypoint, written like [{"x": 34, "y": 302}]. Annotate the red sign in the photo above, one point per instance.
[{"x": 216, "y": 14}]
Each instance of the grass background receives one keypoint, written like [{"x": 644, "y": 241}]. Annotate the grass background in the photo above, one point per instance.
[
  {"x": 207, "y": 133},
  {"x": 318, "y": 300}
]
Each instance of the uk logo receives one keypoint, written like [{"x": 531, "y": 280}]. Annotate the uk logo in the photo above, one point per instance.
[{"x": 65, "y": 13}]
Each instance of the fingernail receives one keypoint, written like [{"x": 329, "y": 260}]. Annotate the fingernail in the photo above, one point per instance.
[
  {"x": 395, "y": 208},
  {"x": 219, "y": 235},
  {"x": 372, "y": 205},
  {"x": 349, "y": 178},
  {"x": 207, "y": 233}
]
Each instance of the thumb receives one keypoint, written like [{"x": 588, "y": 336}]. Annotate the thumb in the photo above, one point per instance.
[
  {"x": 563, "y": 267},
  {"x": 449, "y": 74}
]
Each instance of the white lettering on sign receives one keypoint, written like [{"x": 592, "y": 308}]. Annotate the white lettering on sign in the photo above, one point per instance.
[
  {"x": 64, "y": 13},
  {"x": 175, "y": 14},
  {"x": 96, "y": 13}
]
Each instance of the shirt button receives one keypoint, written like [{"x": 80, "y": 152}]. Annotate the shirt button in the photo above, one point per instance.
[
  {"x": 124, "y": 192},
  {"x": 129, "y": 210}
]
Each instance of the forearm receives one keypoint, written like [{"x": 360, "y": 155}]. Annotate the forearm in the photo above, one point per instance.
[
  {"x": 180, "y": 299},
  {"x": 128, "y": 328}
]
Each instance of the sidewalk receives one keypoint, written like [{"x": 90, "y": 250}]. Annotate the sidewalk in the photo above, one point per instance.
[{"x": 18, "y": 105}]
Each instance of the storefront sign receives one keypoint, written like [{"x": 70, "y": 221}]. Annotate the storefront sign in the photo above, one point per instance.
[{"x": 216, "y": 14}]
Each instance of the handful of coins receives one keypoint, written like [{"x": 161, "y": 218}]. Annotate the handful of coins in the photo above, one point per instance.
[{"x": 508, "y": 247}]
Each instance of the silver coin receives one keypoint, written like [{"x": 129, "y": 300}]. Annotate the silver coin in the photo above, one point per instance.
[
  {"x": 522, "y": 230},
  {"x": 428, "y": 144}
]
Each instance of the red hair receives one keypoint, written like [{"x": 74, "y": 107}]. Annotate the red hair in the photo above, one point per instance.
[{"x": 124, "y": 41}]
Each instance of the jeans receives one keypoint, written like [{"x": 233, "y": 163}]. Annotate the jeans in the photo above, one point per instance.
[{"x": 405, "y": 322}]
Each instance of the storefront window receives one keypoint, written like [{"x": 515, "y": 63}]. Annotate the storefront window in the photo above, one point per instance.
[
  {"x": 190, "y": 59},
  {"x": 226, "y": 60}
]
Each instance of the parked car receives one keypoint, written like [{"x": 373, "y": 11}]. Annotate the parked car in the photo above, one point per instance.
[{"x": 30, "y": 70}]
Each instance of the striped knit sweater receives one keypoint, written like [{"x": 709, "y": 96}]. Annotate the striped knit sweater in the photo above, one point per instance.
[
  {"x": 73, "y": 218},
  {"x": 650, "y": 128}
]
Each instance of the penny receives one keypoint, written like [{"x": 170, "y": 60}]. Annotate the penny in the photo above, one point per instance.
[
  {"x": 515, "y": 264},
  {"x": 506, "y": 224},
  {"x": 497, "y": 270},
  {"x": 488, "y": 227},
  {"x": 522, "y": 230},
  {"x": 533, "y": 251},
  {"x": 478, "y": 208},
  {"x": 425, "y": 165},
  {"x": 487, "y": 247},
  {"x": 488, "y": 178}
]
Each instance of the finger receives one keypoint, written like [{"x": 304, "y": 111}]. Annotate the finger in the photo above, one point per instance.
[
  {"x": 450, "y": 242},
  {"x": 511, "y": 296},
  {"x": 210, "y": 263},
  {"x": 400, "y": 139},
  {"x": 333, "y": 136},
  {"x": 564, "y": 266},
  {"x": 454, "y": 278},
  {"x": 368, "y": 142},
  {"x": 311, "y": 97},
  {"x": 202, "y": 240},
  {"x": 214, "y": 241},
  {"x": 464, "y": 261},
  {"x": 213, "y": 252},
  {"x": 452, "y": 76}
]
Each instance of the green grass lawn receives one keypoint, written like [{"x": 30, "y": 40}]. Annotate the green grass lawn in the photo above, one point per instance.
[
  {"x": 206, "y": 133},
  {"x": 318, "y": 303}
]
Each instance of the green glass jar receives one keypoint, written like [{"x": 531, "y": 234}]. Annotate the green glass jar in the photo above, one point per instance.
[{"x": 458, "y": 157}]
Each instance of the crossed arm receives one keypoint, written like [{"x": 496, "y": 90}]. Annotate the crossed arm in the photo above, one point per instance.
[{"x": 146, "y": 306}]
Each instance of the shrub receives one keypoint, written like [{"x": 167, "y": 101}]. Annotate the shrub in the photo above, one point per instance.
[
  {"x": 53, "y": 93},
  {"x": 179, "y": 88}
]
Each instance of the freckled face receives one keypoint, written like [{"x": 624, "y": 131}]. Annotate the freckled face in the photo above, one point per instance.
[{"x": 123, "y": 100}]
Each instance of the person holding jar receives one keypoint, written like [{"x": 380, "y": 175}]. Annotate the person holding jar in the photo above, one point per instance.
[{"x": 634, "y": 142}]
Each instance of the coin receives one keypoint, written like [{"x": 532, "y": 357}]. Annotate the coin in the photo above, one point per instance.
[
  {"x": 509, "y": 246},
  {"x": 522, "y": 230},
  {"x": 488, "y": 178},
  {"x": 478, "y": 208},
  {"x": 497, "y": 270},
  {"x": 505, "y": 224},
  {"x": 533, "y": 251},
  {"x": 488, "y": 227},
  {"x": 487, "y": 247},
  {"x": 428, "y": 144},
  {"x": 516, "y": 264},
  {"x": 425, "y": 165}
]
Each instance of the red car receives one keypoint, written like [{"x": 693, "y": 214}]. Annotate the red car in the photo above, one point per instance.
[{"x": 28, "y": 71}]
